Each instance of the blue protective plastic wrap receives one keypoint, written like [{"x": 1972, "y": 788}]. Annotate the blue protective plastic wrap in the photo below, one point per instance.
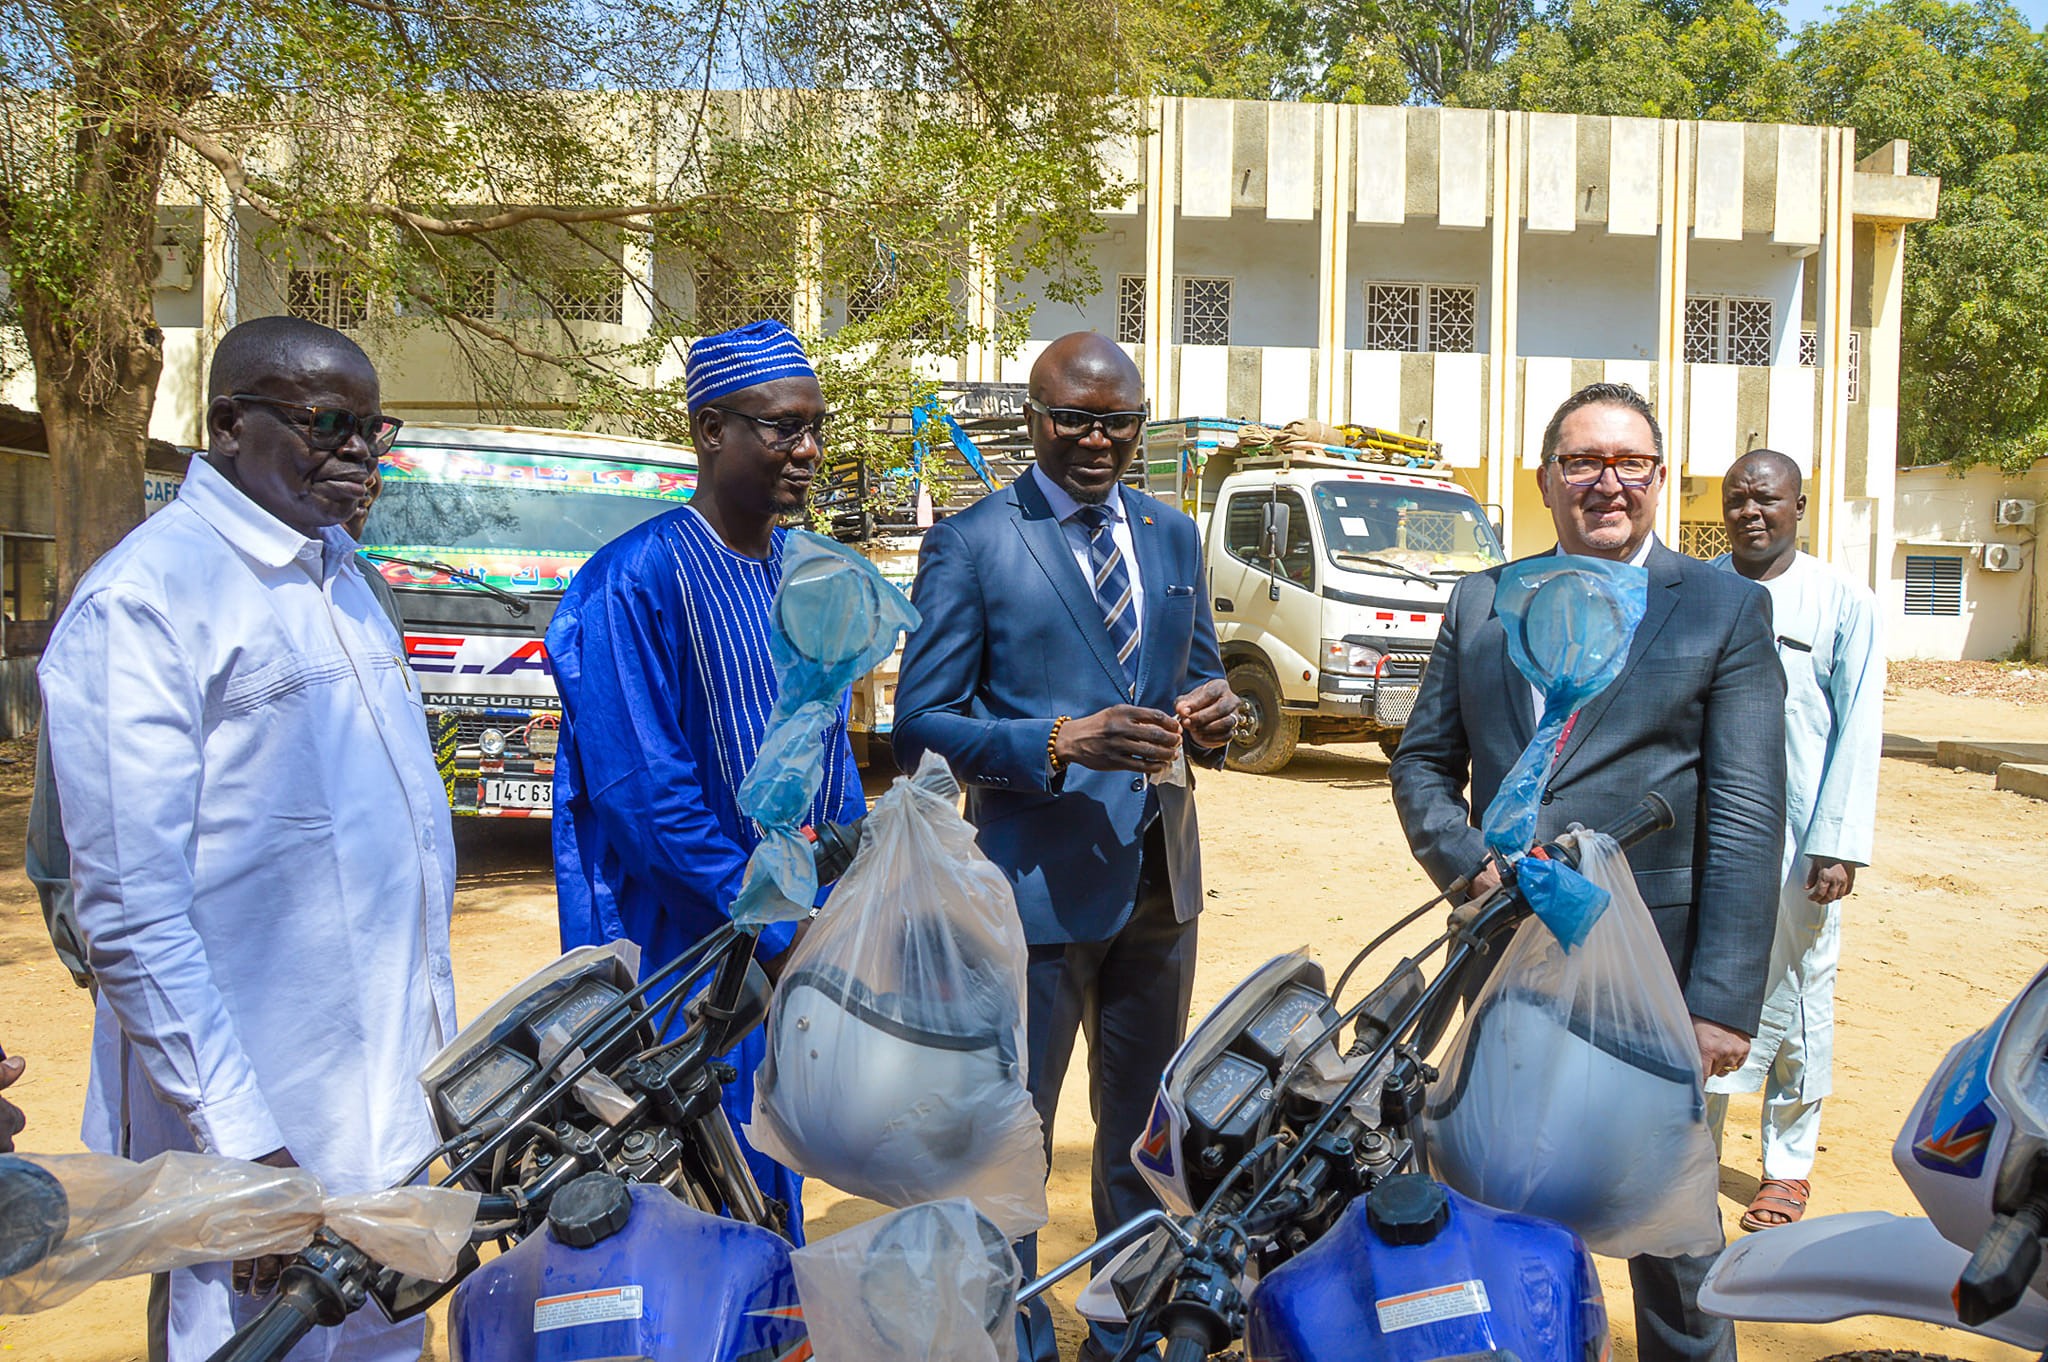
[
  {"x": 1569, "y": 623},
  {"x": 835, "y": 617}
]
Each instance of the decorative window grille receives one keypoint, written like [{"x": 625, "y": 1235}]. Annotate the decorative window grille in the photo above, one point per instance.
[
  {"x": 1728, "y": 330},
  {"x": 865, "y": 300},
  {"x": 1435, "y": 317},
  {"x": 591, "y": 296},
  {"x": 329, "y": 297},
  {"x": 1205, "y": 312},
  {"x": 1855, "y": 366},
  {"x": 1393, "y": 316},
  {"x": 1809, "y": 349},
  {"x": 725, "y": 300},
  {"x": 1452, "y": 315},
  {"x": 1934, "y": 584},
  {"x": 1702, "y": 538},
  {"x": 1130, "y": 309},
  {"x": 474, "y": 291}
]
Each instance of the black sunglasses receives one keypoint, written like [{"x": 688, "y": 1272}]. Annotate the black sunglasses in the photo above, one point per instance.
[
  {"x": 789, "y": 430},
  {"x": 1072, "y": 423},
  {"x": 332, "y": 427}
]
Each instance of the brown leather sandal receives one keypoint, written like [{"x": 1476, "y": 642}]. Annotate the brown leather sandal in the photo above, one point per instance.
[{"x": 1784, "y": 1198}]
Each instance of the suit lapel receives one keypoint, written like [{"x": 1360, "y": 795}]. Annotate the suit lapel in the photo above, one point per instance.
[
  {"x": 1048, "y": 545},
  {"x": 1149, "y": 540},
  {"x": 1657, "y": 608}
]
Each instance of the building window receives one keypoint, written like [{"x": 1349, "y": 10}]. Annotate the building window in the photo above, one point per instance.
[
  {"x": 726, "y": 300},
  {"x": 329, "y": 297},
  {"x": 1934, "y": 584},
  {"x": 28, "y": 578},
  {"x": 1130, "y": 309},
  {"x": 1809, "y": 349},
  {"x": 1412, "y": 317},
  {"x": 474, "y": 291},
  {"x": 1855, "y": 366},
  {"x": 1728, "y": 330},
  {"x": 1205, "y": 312},
  {"x": 865, "y": 301},
  {"x": 591, "y": 296},
  {"x": 1702, "y": 538}
]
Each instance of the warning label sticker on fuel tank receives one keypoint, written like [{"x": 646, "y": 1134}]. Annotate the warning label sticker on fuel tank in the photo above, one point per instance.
[
  {"x": 586, "y": 1307},
  {"x": 1436, "y": 1304}
]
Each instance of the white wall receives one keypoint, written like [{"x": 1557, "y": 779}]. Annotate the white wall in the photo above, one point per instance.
[
  {"x": 1590, "y": 295},
  {"x": 1273, "y": 269},
  {"x": 1938, "y": 513},
  {"x": 1118, "y": 251},
  {"x": 1418, "y": 253},
  {"x": 1754, "y": 267}
]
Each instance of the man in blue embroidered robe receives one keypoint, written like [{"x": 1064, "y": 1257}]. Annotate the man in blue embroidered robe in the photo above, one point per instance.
[{"x": 660, "y": 648}]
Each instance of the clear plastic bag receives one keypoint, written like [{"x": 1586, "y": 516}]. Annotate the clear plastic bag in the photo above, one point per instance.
[
  {"x": 1573, "y": 1090},
  {"x": 97, "y": 1217},
  {"x": 934, "y": 1283},
  {"x": 895, "y": 1066}
]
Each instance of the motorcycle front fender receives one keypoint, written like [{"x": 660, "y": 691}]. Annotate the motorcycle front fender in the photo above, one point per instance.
[{"x": 1863, "y": 1263}]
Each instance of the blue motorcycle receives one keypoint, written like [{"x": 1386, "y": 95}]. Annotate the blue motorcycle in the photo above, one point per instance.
[{"x": 1298, "y": 1219}]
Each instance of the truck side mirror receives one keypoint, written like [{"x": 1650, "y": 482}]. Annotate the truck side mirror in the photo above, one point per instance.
[
  {"x": 1273, "y": 530},
  {"x": 1273, "y": 543}
]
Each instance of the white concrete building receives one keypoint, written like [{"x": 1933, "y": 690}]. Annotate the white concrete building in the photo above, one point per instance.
[{"x": 1448, "y": 272}]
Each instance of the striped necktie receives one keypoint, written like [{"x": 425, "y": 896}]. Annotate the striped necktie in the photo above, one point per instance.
[{"x": 1111, "y": 577}]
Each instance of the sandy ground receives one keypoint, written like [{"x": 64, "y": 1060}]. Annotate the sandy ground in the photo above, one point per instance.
[{"x": 1946, "y": 926}]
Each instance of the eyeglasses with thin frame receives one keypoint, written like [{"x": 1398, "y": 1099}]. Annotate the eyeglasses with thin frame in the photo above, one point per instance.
[
  {"x": 1072, "y": 423},
  {"x": 329, "y": 428},
  {"x": 789, "y": 430},
  {"x": 1585, "y": 470}
]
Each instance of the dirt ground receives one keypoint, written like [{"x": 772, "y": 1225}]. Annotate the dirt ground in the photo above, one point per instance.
[{"x": 1943, "y": 929}]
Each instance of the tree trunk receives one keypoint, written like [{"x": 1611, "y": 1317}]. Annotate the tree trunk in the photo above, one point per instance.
[{"x": 97, "y": 444}]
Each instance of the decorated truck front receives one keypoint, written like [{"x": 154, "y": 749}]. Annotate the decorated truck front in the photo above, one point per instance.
[{"x": 479, "y": 531}]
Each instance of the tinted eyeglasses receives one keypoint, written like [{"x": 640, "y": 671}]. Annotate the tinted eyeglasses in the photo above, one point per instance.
[
  {"x": 1630, "y": 470},
  {"x": 1071, "y": 423},
  {"x": 788, "y": 431},
  {"x": 327, "y": 428}
]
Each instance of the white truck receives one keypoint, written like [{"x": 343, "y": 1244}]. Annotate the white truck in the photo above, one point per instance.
[{"x": 1328, "y": 569}]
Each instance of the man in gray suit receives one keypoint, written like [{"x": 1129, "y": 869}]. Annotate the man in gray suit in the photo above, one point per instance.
[{"x": 1697, "y": 715}]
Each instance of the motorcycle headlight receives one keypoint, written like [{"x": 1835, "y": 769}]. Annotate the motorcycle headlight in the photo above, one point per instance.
[
  {"x": 2019, "y": 1071},
  {"x": 492, "y": 742},
  {"x": 1349, "y": 658}
]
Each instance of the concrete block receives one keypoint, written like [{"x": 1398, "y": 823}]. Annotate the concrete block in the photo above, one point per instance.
[
  {"x": 1987, "y": 757},
  {"x": 2023, "y": 778}
]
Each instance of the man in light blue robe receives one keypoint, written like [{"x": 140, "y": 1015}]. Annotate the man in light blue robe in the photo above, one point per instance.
[
  {"x": 1834, "y": 730},
  {"x": 660, "y": 648}
]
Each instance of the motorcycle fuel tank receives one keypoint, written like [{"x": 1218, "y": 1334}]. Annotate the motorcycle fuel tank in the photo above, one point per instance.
[
  {"x": 1417, "y": 1273},
  {"x": 636, "y": 1276}
]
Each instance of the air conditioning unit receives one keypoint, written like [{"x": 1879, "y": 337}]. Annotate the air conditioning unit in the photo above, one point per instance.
[
  {"x": 171, "y": 270},
  {"x": 2000, "y": 557},
  {"x": 2013, "y": 511}
]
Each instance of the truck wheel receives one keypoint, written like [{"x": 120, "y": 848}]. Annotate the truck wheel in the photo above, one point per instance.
[{"x": 1266, "y": 734}]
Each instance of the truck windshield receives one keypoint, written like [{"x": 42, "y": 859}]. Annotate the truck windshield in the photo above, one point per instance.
[
  {"x": 520, "y": 521},
  {"x": 1404, "y": 531}
]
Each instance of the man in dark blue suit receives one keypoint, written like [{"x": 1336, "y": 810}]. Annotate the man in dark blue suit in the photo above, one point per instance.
[{"x": 1067, "y": 669}]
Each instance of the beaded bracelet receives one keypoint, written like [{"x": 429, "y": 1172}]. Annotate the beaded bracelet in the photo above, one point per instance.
[{"x": 1052, "y": 746}]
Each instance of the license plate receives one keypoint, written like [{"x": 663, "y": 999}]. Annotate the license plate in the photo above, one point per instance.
[{"x": 518, "y": 794}]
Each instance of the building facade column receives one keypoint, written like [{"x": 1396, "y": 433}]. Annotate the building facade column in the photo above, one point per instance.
[
  {"x": 1162, "y": 202},
  {"x": 1674, "y": 237},
  {"x": 1333, "y": 377},
  {"x": 1837, "y": 279},
  {"x": 1503, "y": 390}
]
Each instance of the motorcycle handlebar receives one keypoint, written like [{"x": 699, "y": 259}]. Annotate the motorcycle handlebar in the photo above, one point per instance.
[
  {"x": 1187, "y": 1345},
  {"x": 296, "y": 1312},
  {"x": 1652, "y": 814}
]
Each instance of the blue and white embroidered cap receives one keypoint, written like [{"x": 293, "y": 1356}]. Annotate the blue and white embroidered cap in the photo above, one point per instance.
[{"x": 758, "y": 352}]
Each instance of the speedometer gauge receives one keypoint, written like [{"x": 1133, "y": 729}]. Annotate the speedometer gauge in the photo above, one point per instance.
[
  {"x": 472, "y": 1092},
  {"x": 1298, "y": 1008},
  {"x": 585, "y": 1001},
  {"x": 1212, "y": 1097}
]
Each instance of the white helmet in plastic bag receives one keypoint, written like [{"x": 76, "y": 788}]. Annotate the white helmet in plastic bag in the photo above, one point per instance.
[
  {"x": 886, "y": 1088},
  {"x": 1510, "y": 1130}
]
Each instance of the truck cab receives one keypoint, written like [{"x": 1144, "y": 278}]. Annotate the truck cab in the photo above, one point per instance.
[
  {"x": 1328, "y": 571},
  {"x": 478, "y": 531}
]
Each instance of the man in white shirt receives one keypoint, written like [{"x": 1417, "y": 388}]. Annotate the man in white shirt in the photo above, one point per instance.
[
  {"x": 260, "y": 845},
  {"x": 1834, "y": 735}
]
